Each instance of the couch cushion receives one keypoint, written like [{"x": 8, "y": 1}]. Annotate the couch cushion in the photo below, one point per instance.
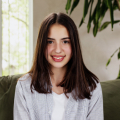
[
  {"x": 7, "y": 90},
  {"x": 111, "y": 99}
]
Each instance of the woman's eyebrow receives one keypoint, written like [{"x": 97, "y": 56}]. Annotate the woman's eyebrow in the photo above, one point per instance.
[{"x": 61, "y": 38}]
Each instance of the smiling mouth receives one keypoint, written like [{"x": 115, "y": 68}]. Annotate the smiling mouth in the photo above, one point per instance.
[{"x": 58, "y": 59}]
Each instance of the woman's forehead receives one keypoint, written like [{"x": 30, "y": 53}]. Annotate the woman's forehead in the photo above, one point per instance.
[{"x": 57, "y": 30}]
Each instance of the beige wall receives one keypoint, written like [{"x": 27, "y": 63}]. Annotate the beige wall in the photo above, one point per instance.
[
  {"x": 0, "y": 38},
  {"x": 96, "y": 50}
]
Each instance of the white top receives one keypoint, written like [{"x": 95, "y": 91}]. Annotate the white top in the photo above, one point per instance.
[{"x": 60, "y": 102}]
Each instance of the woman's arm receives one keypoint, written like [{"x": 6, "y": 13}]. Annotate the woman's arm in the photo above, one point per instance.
[
  {"x": 95, "y": 110},
  {"x": 20, "y": 108}
]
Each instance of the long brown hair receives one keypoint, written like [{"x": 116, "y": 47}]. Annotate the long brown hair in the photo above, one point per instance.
[{"x": 77, "y": 77}]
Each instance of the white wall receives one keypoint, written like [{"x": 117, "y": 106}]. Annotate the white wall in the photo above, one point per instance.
[{"x": 96, "y": 50}]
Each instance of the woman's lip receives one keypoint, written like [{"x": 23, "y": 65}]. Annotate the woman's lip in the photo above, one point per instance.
[{"x": 57, "y": 60}]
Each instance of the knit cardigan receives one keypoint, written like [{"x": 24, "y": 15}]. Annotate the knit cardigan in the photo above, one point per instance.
[{"x": 39, "y": 106}]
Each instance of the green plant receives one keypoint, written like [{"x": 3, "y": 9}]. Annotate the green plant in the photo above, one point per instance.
[
  {"x": 97, "y": 16},
  {"x": 109, "y": 60},
  {"x": 98, "y": 13}
]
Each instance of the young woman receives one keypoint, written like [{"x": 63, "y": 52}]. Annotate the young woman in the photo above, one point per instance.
[{"x": 58, "y": 86}]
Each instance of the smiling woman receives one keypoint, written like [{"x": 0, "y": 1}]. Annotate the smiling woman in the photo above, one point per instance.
[
  {"x": 58, "y": 53},
  {"x": 59, "y": 86}
]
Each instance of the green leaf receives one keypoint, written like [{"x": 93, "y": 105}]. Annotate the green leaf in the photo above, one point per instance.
[
  {"x": 81, "y": 22},
  {"x": 119, "y": 54},
  {"x": 84, "y": 14},
  {"x": 93, "y": 15},
  {"x": 108, "y": 62},
  {"x": 85, "y": 9},
  {"x": 118, "y": 77},
  {"x": 111, "y": 15},
  {"x": 75, "y": 3},
  {"x": 109, "y": 5},
  {"x": 107, "y": 2},
  {"x": 103, "y": 10},
  {"x": 116, "y": 21},
  {"x": 90, "y": 18},
  {"x": 68, "y": 5},
  {"x": 118, "y": 3},
  {"x": 97, "y": 15},
  {"x": 114, "y": 53},
  {"x": 115, "y": 5},
  {"x": 104, "y": 25},
  {"x": 107, "y": 23},
  {"x": 94, "y": 10},
  {"x": 95, "y": 29}
]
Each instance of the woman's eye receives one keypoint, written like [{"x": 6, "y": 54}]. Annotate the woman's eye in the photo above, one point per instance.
[
  {"x": 66, "y": 41},
  {"x": 49, "y": 42}
]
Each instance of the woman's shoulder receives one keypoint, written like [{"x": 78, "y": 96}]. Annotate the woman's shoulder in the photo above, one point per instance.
[
  {"x": 98, "y": 87},
  {"x": 97, "y": 92},
  {"x": 25, "y": 79}
]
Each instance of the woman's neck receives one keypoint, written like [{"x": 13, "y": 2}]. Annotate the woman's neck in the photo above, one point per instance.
[{"x": 58, "y": 75}]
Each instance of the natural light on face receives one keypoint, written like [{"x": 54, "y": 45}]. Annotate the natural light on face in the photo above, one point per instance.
[{"x": 58, "y": 46}]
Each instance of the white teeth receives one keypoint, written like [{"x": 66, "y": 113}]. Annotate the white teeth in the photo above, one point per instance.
[{"x": 58, "y": 57}]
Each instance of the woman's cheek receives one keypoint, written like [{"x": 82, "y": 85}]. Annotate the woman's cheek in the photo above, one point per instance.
[
  {"x": 68, "y": 50},
  {"x": 50, "y": 48}
]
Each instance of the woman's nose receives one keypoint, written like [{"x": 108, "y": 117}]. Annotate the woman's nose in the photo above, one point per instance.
[{"x": 58, "y": 48}]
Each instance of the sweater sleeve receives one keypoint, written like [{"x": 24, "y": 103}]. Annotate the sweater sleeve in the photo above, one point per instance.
[
  {"x": 95, "y": 110},
  {"x": 20, "y": 108}
]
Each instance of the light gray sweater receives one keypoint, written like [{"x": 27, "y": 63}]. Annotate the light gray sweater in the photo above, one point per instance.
[{"x": 37, "y": 106}]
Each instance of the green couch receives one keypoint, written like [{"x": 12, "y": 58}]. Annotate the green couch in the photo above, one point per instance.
[{"x": 111, "y": 97}]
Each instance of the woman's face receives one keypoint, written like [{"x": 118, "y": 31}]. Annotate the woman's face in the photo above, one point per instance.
[{"x": 58, "y": 50}]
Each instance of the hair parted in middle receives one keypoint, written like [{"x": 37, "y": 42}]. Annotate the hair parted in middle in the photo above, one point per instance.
[{"x": 77, "y": 77}]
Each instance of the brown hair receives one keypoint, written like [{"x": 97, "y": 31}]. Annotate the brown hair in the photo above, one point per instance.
[{"x": 77, "y": 77}]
